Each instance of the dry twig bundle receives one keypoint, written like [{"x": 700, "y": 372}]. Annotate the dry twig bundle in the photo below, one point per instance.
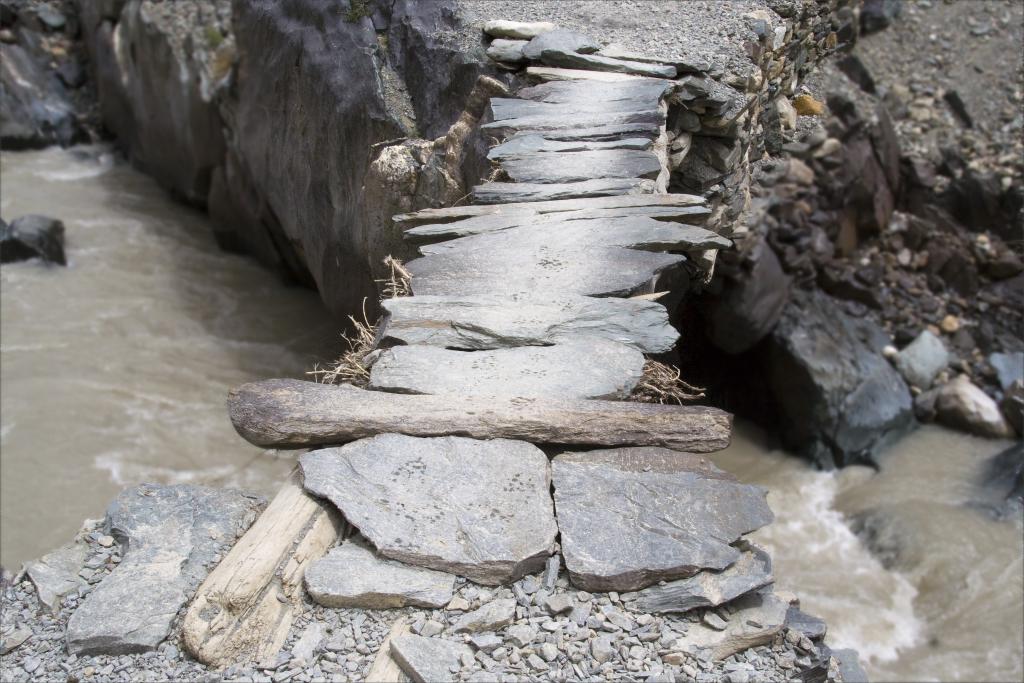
[{"x": 662, "y": 383}]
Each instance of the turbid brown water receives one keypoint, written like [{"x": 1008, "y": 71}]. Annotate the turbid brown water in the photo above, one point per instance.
[{"x": 115, "y": 370}]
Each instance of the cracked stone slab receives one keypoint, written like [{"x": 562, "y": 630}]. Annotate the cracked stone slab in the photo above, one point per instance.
[
  {"x": 573, "y": 60},
  {"x": 480, "y": 509},
  {"x": 573, "y": 368},
  {"x": 634, "y": 232},
  {"x": 173, "y": 535},
  {"x": 353, "y": 575},
  {"x": 593, "y": 271},
  {"x": 587, "y": 107},
  {"x": 496, "y": 193},
  {"x": 519, "y": 145},
  {"x": 56, "y": 574},
  {"x": 631, "y": 517},
  {"x": 492, "y": 322},
  {"x": 598, "y": 132},
  {"x": 756, "y": 618},
  {"x": 455, "y": 213},
  {"x": 478, "y": 225},
  {"x": 428, "y": 660},
  {"x": 574, "y": 167},
  {"x": 707, "y": 588}
]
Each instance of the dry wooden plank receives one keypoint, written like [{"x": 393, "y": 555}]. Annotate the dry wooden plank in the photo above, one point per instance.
[
  {"x": 242, "y": 612},
  {"x": 287, "y": 413},
  {"x": 385, "y": 669}
]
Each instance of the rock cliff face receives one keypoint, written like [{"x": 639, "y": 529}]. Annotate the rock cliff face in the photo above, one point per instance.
[{"x": 296, "y": 123}]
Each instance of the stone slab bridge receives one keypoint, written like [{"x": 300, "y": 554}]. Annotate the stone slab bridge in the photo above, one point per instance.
[{"x": 495, "y": 438}]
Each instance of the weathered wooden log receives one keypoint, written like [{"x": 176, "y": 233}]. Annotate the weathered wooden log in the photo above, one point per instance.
[
  {"x": 385, "y": 669},
  {"x": 242, "y": 612},
  {"x": 286, "y": 413}
]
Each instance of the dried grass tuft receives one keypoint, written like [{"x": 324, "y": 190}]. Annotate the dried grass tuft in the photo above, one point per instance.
[
  {"x": 353, "y": 367},
  {"x": 662, "y": 383}
]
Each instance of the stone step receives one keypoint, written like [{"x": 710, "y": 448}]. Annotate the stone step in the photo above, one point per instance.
[
  {"x": 287, "y": 413},
  {"x": 573, "y": 60},
  {"x": 550, "y": 73},
  {"x": 600, "y": 132},
  {"x": 632, "y": 517},
  {"x": 519, "y": 145},
  {"x": 574, "y": 167},
  {"x": 479, "y": 509},
  {"x": 644, "y": 119},
  {"x": 499, "y": 193},
  {"x": 510, "y": 108},
  {"x": 479, "y": 225},
  {"x": 591, "y": 271},
  {"x": 645, "y": 90},
  {"x": 635, "y": 232},
  {"x": 454, "y": 213},
  {"x": 573, "y": 368},
  {"x": 501, "y": 322}
]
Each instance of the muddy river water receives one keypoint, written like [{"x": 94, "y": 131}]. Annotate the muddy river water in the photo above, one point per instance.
[{"x": 115, "y": 370}]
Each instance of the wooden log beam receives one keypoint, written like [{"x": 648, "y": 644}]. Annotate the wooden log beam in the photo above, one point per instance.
[
  {"x": 242, "y": 612},
  {"x": 385, "y": 669},
  {"x": 286, "y": 413}
]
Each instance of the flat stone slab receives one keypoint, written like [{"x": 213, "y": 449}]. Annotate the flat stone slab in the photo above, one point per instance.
[
  {"x": 491, "y": 322},
  {"x": 172, "y": 535},
  {"x": 631, "y": 517},
  {"x": 597, "y": 271},
  {"x": 455, "y": 213},
  {"x": 550, "y": 73},
  {"x": 480, "y": 509},
  {"x": 353, "y": 575},
  {"x": 496, "y": 193},
  {"x": 573, "y": 368},
  {"x": 477, "y": 225},
  {"x": 574, "y": 167},
  {"x": 755, "y": 621},
  {"x": 584, "y": 107},
  {"x": 643, "y": 126},
  {"x": 521, "y": 30},
  {"x": 428, "y": 660},
  {"x": 707, "y": 588},
  {"x": 563, "y": 120},
  {"x": 288, "y": 413},
  {"x": 634, "y": 232},
  {"x": 643, "y": 90},
  {"x": 56, "y": 574},
  {"x": 494, "y": 615},
  {"x": 562, "y": 40},
  {"x": 519, "y": 145},
  {"x": 574, "y": 60}
]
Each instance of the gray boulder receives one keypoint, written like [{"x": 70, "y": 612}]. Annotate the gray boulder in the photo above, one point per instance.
[
  {"x": 428, "y": 660},
  {"x": 31, "y": 237},
  {"x": 922, "y": 360},
  {"x": 961, "y": 405},
  {"x": 481, "y": 509},
  {"x": 1009, "y": 367},
  {"x": 520, "y": 30},
  {"x": 501, "y": 50},
  {"x": 35, "y": 110},
  {"x": 849, "y": 666},
  {"x": 631, "y": 517},
  {"x": 707, "y": 588},
  {"x": 572, "y": 368},
  {"x": 838, "y": 399},
  {"x": 172, "y": 535},
  {"x": 561, "y": 40},
  {"x": 352, "y": 575}
]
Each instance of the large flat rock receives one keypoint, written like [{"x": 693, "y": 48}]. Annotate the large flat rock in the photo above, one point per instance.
[
  {"x": 171, "y": 534},
  {"x": 574, "y": 167},
  {"x": 497, "y": 192},
  {"x": 636, "y": 232},
  {"x": 518, "y": 145},
  {"x": 755, "y": 621},
  {"x": 597, "y": 271},
  {"x": 583, "y": 92},
  {"x": 494, "y": 322},
  {"x": 553, "y": 73},
  {"x": 707, "y": 588},
  {"x": 478, "y": 225},
  {"x": 287, "y": 413},
  {"x": 353, "y": 575},
  {"x": 481, "y": 509},
  {"x": 631, "y": 517},
  {"x": 455, "y": 213},
  {"x": 572, "y": 368},
  {"x": 428, "y": 660}
]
